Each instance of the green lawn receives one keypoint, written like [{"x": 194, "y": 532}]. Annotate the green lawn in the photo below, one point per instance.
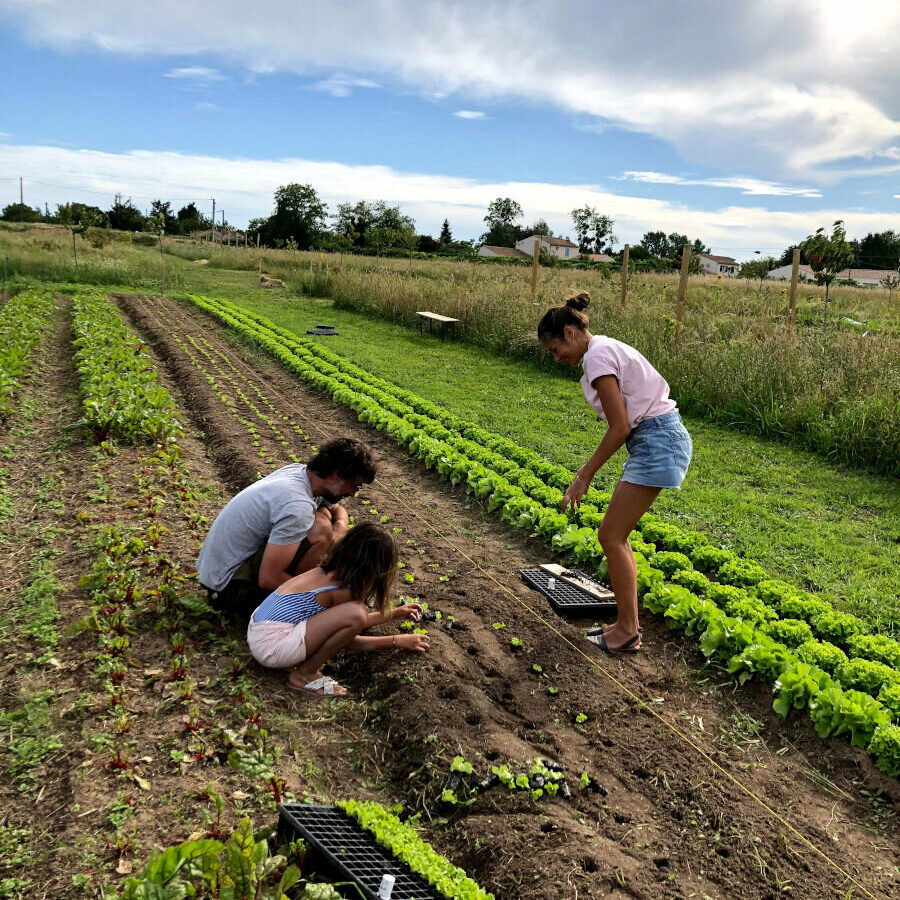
[{"x": 818, "y": 526}]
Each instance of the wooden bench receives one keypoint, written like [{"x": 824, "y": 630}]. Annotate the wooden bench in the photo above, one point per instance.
[{"x": 444, "y": 321}]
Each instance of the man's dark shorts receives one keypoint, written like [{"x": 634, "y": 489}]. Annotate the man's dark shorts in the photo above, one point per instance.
[{"x": 242, "y": 594}]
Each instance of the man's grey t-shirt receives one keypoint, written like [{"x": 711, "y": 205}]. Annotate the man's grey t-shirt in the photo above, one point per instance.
[{"x": 277, "y": 509}]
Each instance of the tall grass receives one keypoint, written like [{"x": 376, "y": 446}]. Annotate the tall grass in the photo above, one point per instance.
[
  {"x": 47, "y": 254},
  {"x": 836, "y": 392}
]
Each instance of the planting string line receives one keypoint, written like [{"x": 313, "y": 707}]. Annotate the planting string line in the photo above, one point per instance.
[{"x": 643, "y": 704}]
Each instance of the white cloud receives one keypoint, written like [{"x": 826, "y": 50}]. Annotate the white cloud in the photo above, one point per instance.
[
  {"x": 244, "y": 188},
  {"x": 748, "y": 186},
  {"x": 469, "y": 114},
  {"x": 343, "y": 85},
  {"x": 206, "y": 106},
  {"x": 778, "y": 90},
  {"x": 201, "y": 74}
]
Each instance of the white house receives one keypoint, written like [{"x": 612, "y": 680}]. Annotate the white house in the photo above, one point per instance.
[
  {"x": 718, "y": 265},
  {"x": 562, "y": 248},
  {"x": 870, "y": 277}
]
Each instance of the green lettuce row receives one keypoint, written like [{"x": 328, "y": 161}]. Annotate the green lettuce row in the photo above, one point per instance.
[
  {"x": 403, "y": 842},
  {"x": 526, "y": 471},
  {"x": 590, "y": 513},
  {"x": 749, "y": 652},
  {"x": 119, "y": 394},
  {"x": 23, "y": 319},
  {"x": 554, "y": 527}
]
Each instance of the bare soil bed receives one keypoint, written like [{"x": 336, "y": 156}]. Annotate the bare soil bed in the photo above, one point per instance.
[{"x": 672, "y": 823}]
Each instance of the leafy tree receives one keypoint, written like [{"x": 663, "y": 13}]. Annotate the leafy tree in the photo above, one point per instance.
[
  {"x": 540, "y": 227},
  {"x": 699, "y": 247},
  {"x": 256, "y": 227},
  {"x": 354, "y": 220},
  {"x": 80, "y": 214},
  {"x": 125, "y": 216},
  {"x": 787, "y": 257},
  {"x": 502, "y": 216},
  {"x": 190, "y": 219},
  {"x": 755, "y": 268},
  {"x": 446, "y": 235},
  {"x": 828, "y": 255},
  {"x": 163, "y": 210},
  {"x": 593, "y": 229},
  {"x": 21, "y": 212},
  {"x": 425, "y": 243},
  {"x": 299, "y": 215},
  {"x": 879, "y": 251},
  {"x": 655, "y": 243}
]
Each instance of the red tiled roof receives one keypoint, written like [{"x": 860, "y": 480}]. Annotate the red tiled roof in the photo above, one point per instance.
[
  {"x": 555, "y": 241},
  {"x": 723, "y": 260}
]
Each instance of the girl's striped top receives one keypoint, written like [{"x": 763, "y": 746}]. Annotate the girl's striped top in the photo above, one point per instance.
[{"x": 291, "y": 608}]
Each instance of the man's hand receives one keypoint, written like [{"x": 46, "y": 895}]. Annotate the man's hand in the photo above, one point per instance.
[{"x": 577, "y": 489}]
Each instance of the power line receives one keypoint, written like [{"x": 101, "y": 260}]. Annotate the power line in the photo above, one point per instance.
[{"x": 66, "y": 187}]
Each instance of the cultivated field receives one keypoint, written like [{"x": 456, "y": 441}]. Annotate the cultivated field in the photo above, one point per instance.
[{"x": 134, "y": 716}]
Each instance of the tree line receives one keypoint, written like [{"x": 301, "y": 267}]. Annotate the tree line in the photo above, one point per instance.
[{"x": 301, "y": 219}]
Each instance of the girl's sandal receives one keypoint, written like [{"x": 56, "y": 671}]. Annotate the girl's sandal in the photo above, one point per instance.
[
  {"x": 632, "y": 645},
  {"x": 318, "y": 687}
]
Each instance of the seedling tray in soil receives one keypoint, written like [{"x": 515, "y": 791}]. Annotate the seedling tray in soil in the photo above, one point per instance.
[
  {"x": 322, "y": 330},
  {"x": 342, "y": 848},
  {"x": 565, "y": 598}
]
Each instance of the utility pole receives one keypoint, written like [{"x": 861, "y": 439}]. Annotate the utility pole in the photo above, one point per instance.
[
  {"x": 222, "y": 237},
  {"x": 212, "y": 235},
  {"x": 21, "y": 202}
]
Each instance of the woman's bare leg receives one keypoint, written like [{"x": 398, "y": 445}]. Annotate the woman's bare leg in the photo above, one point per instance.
[
  {"x": 629, "y": 502},
  {"x": 326, "y": 633}
]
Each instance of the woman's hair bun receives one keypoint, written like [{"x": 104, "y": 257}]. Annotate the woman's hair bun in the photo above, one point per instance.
[{"x": 579, "y": 301}]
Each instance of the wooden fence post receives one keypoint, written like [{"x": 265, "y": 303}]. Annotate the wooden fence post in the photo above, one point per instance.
[
  {"x": 260, "y": 255},
  {"x": 535, "y": 262},
  {"x": 625, "y": 254},
  {"x": 682, "y": 289},
  {"x": 792, "y": 302}
]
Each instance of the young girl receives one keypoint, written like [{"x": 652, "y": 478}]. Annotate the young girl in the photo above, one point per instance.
[
  {"x": 310, "y": 617},
  {"x": 622, "y": 386}
]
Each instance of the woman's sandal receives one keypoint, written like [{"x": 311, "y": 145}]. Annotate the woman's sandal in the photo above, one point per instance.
[{"x": 632, "y": 645}]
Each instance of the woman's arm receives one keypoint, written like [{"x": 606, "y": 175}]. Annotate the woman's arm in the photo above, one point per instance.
[{"x": 607, "y": 388}]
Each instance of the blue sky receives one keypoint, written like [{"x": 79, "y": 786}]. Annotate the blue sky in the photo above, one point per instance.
[{"x": 727, "y": 147}]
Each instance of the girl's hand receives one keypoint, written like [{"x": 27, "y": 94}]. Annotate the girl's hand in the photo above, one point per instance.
[
  {"x": 413, "y": 642},
  {"x": 577, "y": 489},
  {"x": 411, "y": 611}
]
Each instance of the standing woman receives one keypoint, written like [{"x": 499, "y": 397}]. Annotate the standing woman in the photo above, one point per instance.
[{"x": 633, "y": 398}]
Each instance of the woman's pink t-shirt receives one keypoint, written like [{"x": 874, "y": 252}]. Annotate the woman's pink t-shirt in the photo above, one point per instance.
[{"x": 644, "y": 390}]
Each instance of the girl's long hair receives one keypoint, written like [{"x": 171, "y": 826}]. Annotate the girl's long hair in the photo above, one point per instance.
[
  {"x": 554, "y": 322},
  {"x": 366, "y": 562}
]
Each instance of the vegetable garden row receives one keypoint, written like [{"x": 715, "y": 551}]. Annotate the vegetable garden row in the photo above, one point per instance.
[
  {"x": 815, "y": 657},
  {"x": 122, "y": 402}
]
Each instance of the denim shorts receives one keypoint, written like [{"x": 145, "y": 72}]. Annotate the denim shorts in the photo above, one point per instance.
[{"x": 659, "y": 452}]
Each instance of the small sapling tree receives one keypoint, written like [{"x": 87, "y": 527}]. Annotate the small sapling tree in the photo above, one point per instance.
[
  {"x": 828, "y": 255},
  {"x": 157, "y": 225}
]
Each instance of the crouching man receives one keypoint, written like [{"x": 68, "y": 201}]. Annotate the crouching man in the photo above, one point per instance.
[{"x": 281, "y": 525}]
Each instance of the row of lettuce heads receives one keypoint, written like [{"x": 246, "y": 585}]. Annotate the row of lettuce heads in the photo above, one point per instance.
[
  {"x": 816, "y": 657},
  {"x": 23, "y": 319},
  {"x": 121, "y": 397}
]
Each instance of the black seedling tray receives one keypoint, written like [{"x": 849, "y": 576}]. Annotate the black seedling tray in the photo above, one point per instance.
[
  {"x": 321, "y": 330},
  {"x": 565, "y": 598},
  {"x": 342, "y": 848}
]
